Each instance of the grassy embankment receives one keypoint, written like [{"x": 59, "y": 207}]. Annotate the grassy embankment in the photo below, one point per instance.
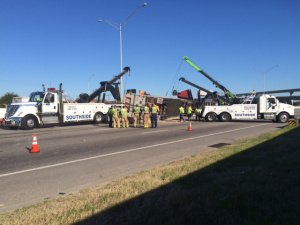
[{"x": 254, "y": 182}]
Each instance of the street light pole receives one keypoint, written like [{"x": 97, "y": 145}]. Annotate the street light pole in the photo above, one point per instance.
[{"x": 119, "y": 27}]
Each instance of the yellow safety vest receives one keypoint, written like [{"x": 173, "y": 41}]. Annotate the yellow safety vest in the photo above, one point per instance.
[
  {"x": 154, "y": 109},
  {"x": 137, "y": 109},
  {"x": 124, "y": 112},
  {"x": 115, "y": 112},
  {"x": 146, "y": 109},
  {"x": 181, "y": 110}
]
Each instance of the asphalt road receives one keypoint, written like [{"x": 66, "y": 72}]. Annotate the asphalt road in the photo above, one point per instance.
[{"x": 76, "y": 157}]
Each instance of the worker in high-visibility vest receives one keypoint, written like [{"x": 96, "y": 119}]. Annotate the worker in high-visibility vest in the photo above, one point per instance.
[
  {"x": 198, "y": 113},
  {"x": 124, "y": 117},
  {"x": 189, "y": 112},
  {"x": 146, "y": 116},
  {"x": 116, "y": 119},
  {"x": 181, "y": 114},
  {"x": 136, "y": 112},
  {"x": 154, "y": 112}
]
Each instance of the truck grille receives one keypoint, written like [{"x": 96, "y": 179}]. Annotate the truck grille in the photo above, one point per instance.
[{"x": 11, "y": 110}]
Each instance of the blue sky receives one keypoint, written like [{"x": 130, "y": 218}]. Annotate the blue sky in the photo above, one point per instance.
[{"x": 236, "y": 42}]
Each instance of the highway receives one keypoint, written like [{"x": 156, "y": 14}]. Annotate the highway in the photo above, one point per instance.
[{"x": 77, "y": 157}]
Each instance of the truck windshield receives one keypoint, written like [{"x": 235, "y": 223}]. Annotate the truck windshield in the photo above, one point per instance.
[{"x": 36, "y": 97}]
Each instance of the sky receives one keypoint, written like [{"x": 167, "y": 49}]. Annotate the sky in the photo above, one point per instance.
[{"x": 245, "y": 45}]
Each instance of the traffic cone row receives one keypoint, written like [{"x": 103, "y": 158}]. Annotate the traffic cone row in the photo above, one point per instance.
[
  {"x": 34, "y": 146},
  {"x": 190, "y": 127}
]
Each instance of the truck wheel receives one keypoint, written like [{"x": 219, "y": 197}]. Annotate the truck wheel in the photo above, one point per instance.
[
  {"x": 283, "y": 117},
  {"x": 98, "y": 118},
  {"x": 211, "y": 117},
  {"x": 225, "y": 117},
  {"x": 28, "y": 122}
]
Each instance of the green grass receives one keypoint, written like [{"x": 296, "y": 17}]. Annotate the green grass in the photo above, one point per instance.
[{"x": 256, "y": 181}]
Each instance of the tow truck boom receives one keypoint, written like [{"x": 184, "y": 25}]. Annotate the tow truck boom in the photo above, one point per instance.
[
  {"x": 108, "y": 86},
  {"x": 228, "y": 94},
  {"x": 220, "y": 99}
]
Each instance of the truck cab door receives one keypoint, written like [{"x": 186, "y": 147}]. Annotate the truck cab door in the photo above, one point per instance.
[
  {"x": 49, "y": 105},
  {"x": 271, "y": 105}
]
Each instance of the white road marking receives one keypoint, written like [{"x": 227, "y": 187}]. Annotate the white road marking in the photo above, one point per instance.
[
  {"x": 125, "y": 151},
  {"x": 156, "y": 131}
]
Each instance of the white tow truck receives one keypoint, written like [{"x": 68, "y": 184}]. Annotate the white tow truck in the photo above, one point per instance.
[
  {"x": 51, "y": 107},
  {"x": 2, "y": 113},
  {"x": 267, "y": 108}
]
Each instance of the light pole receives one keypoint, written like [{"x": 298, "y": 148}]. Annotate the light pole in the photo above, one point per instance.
[
  {"x": 119, "y": 26},
  {"x": 265, "y": 73}
]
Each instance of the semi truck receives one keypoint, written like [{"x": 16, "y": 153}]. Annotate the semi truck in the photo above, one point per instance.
[
  {"x": 168, "y": 107},
  {"x": 267, "y": 108}
]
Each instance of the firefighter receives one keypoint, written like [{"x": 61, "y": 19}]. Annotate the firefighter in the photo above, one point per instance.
[
  {"x": 115, "y": 115},
  {"x": 124, "y": 117},
  {"x": 136, "y": 111},
  {"x": 189, "y": 112},
  {"x": 181, "y": 114},
  {"x": 198, "y": 113},
  {"x": 154, "y": 111},
  {"x": 146, "y": 116}
]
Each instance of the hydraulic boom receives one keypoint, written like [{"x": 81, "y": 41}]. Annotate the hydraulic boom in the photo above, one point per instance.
[
  {"x": 221, "y": 100},
  {"x": 228, "y": 95},
  {"x": 108, "y": 86}
]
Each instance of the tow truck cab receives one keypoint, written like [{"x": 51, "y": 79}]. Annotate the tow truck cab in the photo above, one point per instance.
[{"x": 269, "y": 108}]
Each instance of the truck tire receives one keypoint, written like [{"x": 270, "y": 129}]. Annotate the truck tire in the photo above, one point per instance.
[
  {"x": 225, "y": 117},
  {"x": 211, "y": 117},
  {"x": 283, "y": 117},
  {"x": 98, "y": 117},
  {"x": 28, "y": 122}
]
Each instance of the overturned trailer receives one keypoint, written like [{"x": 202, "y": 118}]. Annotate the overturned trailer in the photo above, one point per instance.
[{"x": 168, "y": 107}]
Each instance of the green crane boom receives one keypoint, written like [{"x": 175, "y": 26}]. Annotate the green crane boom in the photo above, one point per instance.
[{"x": 228, "y": 95}]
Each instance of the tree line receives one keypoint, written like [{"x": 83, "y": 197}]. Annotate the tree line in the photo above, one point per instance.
[{"x": 7, "y": 98}]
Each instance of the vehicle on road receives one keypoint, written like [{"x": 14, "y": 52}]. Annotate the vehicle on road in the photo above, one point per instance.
[
  {"x": 267, "y": 108},
  {"x": 2, "y": 113},
  {"x": 231, "y": 107},
  {"x": 50, "y": 107}
]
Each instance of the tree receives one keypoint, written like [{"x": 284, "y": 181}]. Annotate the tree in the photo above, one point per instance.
[{"x": 7, "y": 98}]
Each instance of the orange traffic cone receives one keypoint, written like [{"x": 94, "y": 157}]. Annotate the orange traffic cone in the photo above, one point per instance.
[
  {"x": 34, "y": 146},
  {"x": 190, "y": 127}
]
